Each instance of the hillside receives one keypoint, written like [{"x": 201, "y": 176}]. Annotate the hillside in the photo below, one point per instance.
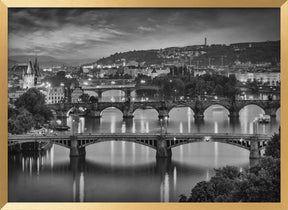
[
  {"x": 254, "y": 52},
  {"x": 147, "y": 56}
]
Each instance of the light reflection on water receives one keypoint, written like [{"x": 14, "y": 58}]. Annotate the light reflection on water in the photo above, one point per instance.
[
  {"x": 146, "y": 121},
  {"x": 124, "y": 171}
]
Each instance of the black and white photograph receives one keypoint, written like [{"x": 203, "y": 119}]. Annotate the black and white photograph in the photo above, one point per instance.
[{"x": 144, "y": 105}]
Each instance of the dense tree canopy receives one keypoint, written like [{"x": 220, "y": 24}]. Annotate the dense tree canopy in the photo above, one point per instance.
[
  {"x": 187, "y": 85},
  {"x": 273, "y": 146},
  {"x": 20, "y": 123},
  {"x": 212, "y": 84},
  {"x": 30, "y": 111}
]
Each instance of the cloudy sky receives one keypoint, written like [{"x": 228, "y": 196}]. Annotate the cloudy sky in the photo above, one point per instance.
[{"x": 95, "y": 33}]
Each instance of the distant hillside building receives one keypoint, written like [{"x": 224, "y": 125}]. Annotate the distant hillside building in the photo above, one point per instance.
[
  {"x": 86, "y": 69},
  {"x": 30, "y": 75}
]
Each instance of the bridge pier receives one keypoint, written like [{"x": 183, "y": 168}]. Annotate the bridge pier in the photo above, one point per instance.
[
  {"x": 127, "y": 114},
  {"x": 255, "y": 152},
  {"x": 233, "y": 115},
  {"x": 162, "y": 149},
  {"x": 163, "y": 113},
  {"x": 199, "y": 116},
  {"x": 127, "y": 94},
  {"x": 94, "y": 113},
  {"x": 99, "y": 93},
  {"x": 75, "y": 150},
  {"x": 128, "y": 123}
]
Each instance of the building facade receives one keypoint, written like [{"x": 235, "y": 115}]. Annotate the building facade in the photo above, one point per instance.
[
  {"x": 13, "y": 95},
  {"x": 55, "y": 95},
  {"x": 77, "y": 92}
]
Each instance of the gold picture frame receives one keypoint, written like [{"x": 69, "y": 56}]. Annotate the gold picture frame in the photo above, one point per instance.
[{"x": 5, "y": 4}]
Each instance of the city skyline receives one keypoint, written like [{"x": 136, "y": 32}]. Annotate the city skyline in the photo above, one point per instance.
[{"x": 96, "y": 33}]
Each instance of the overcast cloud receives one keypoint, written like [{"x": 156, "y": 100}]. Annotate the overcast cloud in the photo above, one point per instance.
[{"x": 95, "y": 33}]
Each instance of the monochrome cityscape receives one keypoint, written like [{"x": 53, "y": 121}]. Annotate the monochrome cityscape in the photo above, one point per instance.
[{"x": 144, "y": 105}]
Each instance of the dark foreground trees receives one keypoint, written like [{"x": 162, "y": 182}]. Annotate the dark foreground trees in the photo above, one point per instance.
[
  {"x": 260, "y": 183},
  {"x": 273, "y": 147},
  {"x": 29, "y": 111}
]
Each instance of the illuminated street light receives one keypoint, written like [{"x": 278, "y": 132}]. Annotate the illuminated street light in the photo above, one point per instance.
[
  {"x": 48, "y": 85},
  {"x": 161, "y": 125},
  {"x": 207, "y": 138},
  {"x": 166, "y": 122},
  {"x": 142, "y": 81}
]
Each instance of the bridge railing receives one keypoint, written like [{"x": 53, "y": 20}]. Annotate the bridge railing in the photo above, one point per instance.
[{"x": 139, "y": 135}]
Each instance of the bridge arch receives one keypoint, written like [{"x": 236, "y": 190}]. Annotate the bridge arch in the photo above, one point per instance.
[
  {"x": 62, "y": 143},
  {"x": 244, "y": 144},
  {"x": 260, "y": 109},
  {"x": 91, "y": 93},
  {"x": 216, "y": 103},
  {"x": 181, "y": 111},
  {"x": 105, "y": 95},
  {"x": 173, "y": 108},
  {"x": 217, "y": 107},
  {"x": 140, "y": 106},
  {"x": 149, "y": 143},
  {"x": 252, "y": 103},
  {"x": 111, "y": 107},
  {"x": 234, "y": 143},
  {"x": 148, "y": 110}
]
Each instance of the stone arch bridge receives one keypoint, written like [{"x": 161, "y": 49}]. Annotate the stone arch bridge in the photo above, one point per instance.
[
  {"x": 164, "y": 107},
  {"x": 127, "y": 89}
]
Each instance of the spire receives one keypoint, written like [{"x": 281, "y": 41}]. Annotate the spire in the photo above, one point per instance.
[
  {"x": 29, "y": 68},
  {"x": 36, "y": 67}
]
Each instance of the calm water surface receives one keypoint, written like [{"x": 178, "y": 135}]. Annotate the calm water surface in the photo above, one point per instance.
[{"x": 128, "y": 172}]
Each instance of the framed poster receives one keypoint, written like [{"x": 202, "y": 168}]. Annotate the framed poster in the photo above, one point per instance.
[{"x": 133, "y": 104}]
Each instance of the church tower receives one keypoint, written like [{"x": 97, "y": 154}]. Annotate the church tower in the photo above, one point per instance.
[
  {"x": 29, "y": 77},
  {"x": 36, "y": 72}
]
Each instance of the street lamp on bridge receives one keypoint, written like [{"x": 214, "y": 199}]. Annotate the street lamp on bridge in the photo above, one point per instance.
[{"x": 165, "y": 124}]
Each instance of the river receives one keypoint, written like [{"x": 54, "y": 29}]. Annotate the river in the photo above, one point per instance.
[{"x": 128, "y": 172}]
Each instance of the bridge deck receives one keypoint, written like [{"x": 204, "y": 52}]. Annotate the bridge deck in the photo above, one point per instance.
[{"x": 131, "y": 136}]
